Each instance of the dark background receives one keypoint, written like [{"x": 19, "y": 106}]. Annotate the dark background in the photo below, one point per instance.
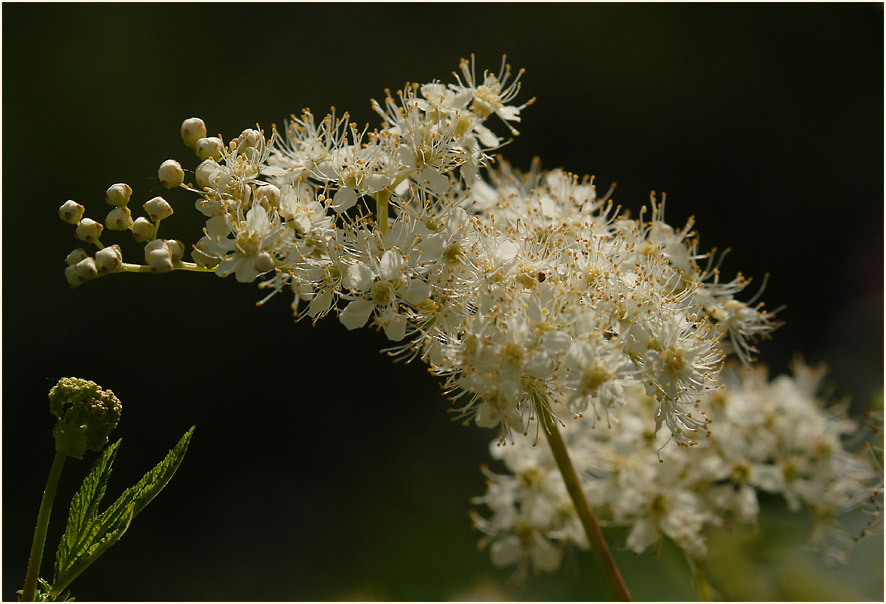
[{"x": 318, "y": 470}]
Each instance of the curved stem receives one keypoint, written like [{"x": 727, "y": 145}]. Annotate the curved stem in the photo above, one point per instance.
[
  {"x": 604, "y": 559},
  {"x": 30, "y": 588}
]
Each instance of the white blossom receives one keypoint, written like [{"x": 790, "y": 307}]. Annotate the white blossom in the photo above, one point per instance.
[{"x": 530, "y": 296}]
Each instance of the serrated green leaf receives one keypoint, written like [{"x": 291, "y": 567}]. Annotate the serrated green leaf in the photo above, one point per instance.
[
  {"x": 96, "y": 548},
  {"x": 84, "y": 510},
  {"x": 153, "y": 482},
  {"x": 107, "y": 528}
]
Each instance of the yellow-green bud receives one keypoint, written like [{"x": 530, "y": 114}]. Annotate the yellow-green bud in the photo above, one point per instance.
[{"x": 86, "y": 415}]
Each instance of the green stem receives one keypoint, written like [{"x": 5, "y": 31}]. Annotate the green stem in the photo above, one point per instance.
[
  {"x": 700, "y": 579},
  {"x": 127, "y": 267},
  {"x": 611, "y": 576},
  {"x": 383, "y": 198},
  {"x": 381, "y": 207},
  {"x": 30, "y": 588},
  {"x": 155, "y": 230}
]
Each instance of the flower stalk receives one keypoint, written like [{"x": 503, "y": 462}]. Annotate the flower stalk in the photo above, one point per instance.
[
  {"x": 700, "y": 579},
  {"x": 382, "y": 199},
  {"x": 30, "y": 588},
  {"x": 604, "y": 559}
]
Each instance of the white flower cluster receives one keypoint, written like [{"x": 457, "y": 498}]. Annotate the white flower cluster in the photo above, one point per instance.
[
  {"x": 769, "y": 437},
  {"x": 523, "y": 291},
  {"x": 529, "y": 294}
]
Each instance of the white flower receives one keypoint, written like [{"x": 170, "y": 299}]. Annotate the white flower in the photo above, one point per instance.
[
  {"x": 531, "y": 297},
  {"x": 597, "y": 372},
  {"x": 493, "y": 92},
  {"x": 245, "y": 254}
]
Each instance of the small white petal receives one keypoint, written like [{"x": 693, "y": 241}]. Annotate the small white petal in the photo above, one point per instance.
[
  {"x": 391, "y": 265},
  {"x": 556, "y": 341},
  {"x": 643, "y": 534},
  {"x": 506, "y": 251},
  {"x": 320, "y": 303},
  {"x": 394, "y": 325},
  {"x": 344, "y": 199},
  {"x": 438, "y": 183},
  {"x": 356, "y": 314},
  {"x": 487, "y": 138},
  {"x": 374, "y": 183},
  {"x": 417, "y": 292},
  {"x": 217, "y": 227},
  {"x": 505, "y": 552},
  {"x": 359, "y": 277}
]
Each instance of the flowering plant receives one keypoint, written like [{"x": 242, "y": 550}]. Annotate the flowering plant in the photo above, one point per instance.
[
  {"x": 545, "y": 309},
  {"x": 86, "y": 414}
]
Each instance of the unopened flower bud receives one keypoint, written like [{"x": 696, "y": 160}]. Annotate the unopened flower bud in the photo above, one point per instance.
[
  {"x": 118, "y": 195},
  {"x": 202, "y": 257},
  {"x": 171, "y": 174},
  {"x": 205, "y": 173},
  {"x": 158, "y": 209},
  {"x": 88, "y": 230},
  {"x": 248, "y": 138},
  {"x": 142, "y": 229},
  {"x": 86, "y": 416},
  {"x": 193, "y": 129},
  {"x": 209, "y": 147},
  {"x": 76, "y": 256},
  {"x": 119, "y": 219},
  {"x": 80, "y": 272},
  {"x": 264, "y": 262},
  {"x": 176, "y": 249},
  {"x": 71, "y": 212},
  {"x": 269, "y": 192},
  {"x": 157, "y": 256},
  {"x": 108, "y": 259},
  {"x": 157, "y": 245},
  {"x": 71, "y": 276}
]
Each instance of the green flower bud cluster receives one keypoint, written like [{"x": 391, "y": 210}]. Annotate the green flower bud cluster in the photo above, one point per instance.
[{"x": 86, "y": 415}]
